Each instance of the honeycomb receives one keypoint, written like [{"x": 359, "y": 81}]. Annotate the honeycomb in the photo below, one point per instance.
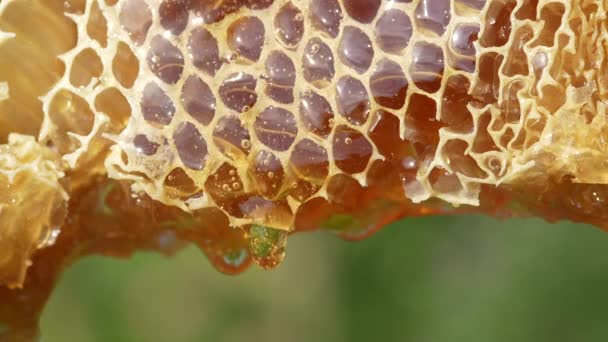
[{"x": 231, "y": 123}]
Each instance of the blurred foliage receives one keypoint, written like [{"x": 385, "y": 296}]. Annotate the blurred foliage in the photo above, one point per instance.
[{"x": 467, "y": 278}]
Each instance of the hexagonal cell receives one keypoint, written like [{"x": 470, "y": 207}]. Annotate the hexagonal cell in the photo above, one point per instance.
[
  {"x": 455, "y": 153},
  {"x": 165, "y": 60},
  {"x": 462, "y": 49},
  {"x": 280, "y": 77},
  {"x": 245, "y": 37},
  {"x": 115, "y": 105},
  {"x": 363, "y": 11},
  {"x": 225, "y": 186},
  {"x": 125, "y": 65},
  {"x": 232, "y": 138},
  {"x": 455, "y": 101},
  {"x": 388, "y": 84},
  {"x": 498, "y": 23},
  {"x": 238, "y": 91},
  {"x": 145, "y": 145},
  {"x": 326, "y": 16},
  {"x": 190, "y": 145},
  {"x": 444, "y": 182},
  {"x": 69, "y": 112},
  {"x": 384, "y": 133},
  {"x": 97, "y": 27},
  {"x": 204, "y": 51},
  {"x": 318, "y": 63},
  {"x": 433, "y": 15},
  {"x": 356, "y": 49},
  {"x": 173, "y": 15},
  {"x": 268, "y": 174},
  {"x": 352, "y": 100},
  {"x": 156, "y": 106},
  {"x": 427, "y": 67},
  {"x": 85, "y": 67},
  {"x": 421, "y": 124},
  {"x": 276, "y": 128},
  {"x": 178, "y": 184},
  {"x": 351, "y": 150},
  {"x": 309, "y": 163},
  {"x": 289, "y": 25},
  {"x": 316, "y": 113},
  {"x": 198, "y": 100},
  {"x": 393, "y": 31},
  {"x": 136, "y": 18}
]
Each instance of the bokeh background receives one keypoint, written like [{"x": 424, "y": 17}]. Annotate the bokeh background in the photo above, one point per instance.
[{"x": 466, "y": 278}]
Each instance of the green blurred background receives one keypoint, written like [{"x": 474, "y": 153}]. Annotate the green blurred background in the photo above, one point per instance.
[{"x": 467, "y": 278}]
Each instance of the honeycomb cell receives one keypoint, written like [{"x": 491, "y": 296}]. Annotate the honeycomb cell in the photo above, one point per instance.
[
  {"x": 318, "y": 63},
  {"x": 204, "y": 51},
  {"x": 427, "y": 67},
  {"x": 326, "y": 16},
  {"x": 174, "y": 15},
  {"x": 86, "y": 68},
  {"x": 388, "y": 84},
  {"x": 309, "y": 161},
  {"x": 165, "y": 60},
  {"x": 225, "y": 186},
  {"x": 421, "y": 125},
  {"x": 69, "y": 112},
  {"x": 280, "y": 77},
  {"x": 156, "y": 106},
  {"x": 356, "y": 49},
  {"x": 178, "y": 184},
  {"x": 289, "y": 25},
  {"x": 125, "y": 65},
  {"x": 136, "y": 18},
  {"x": 114, "y": 104},
  {"x": 190, "y": 145},
  {"x": 363, "y": 11},
  {"x": 393, "y": 31},
  {"x": 462, "y": 47},
  {"x": 454, "y": 111},
  {"x": 384, "y": 133},
  {"x": 232, "y": 138},
  {"x": 238, "y": 91},
  {"x": 444, "y": 182},
  {"x": 498, "y": 28},
  {"x": 144, "y": 145},
  {"x": 352, "y": 100},
  {"x": 316, "y": 113},
  {"x": 276, "y": 128},
  {"x": 245, "y": 37},
  {"x": 351, "y": 150},
  {"x": 97, "y": 27},
  {"x": 433, "y": 15},
  {"x": 459, "y": 161},
  {"x": 198, "y": 100},
  {"x": 267, "y": 173}
]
